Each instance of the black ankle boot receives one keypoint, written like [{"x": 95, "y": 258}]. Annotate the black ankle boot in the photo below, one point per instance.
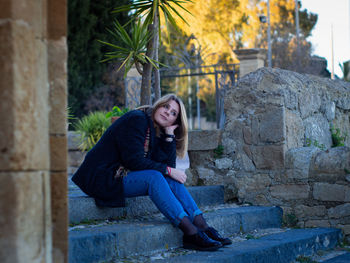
[
  {"x": 214, "y": 235},
  {"x": 200, "y": 241}
]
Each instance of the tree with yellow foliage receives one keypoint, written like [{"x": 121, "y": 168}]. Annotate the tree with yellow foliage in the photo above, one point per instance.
[{"x": 225, "y": 25}]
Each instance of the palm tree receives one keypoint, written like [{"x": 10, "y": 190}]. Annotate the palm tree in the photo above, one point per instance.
[{"x": 141, "y": 48}]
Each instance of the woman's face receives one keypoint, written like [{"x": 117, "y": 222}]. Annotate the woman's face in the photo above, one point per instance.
[{"x": 166, "y": 115}]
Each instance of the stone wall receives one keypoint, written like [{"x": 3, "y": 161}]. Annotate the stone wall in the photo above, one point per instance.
[{"x": 270, "y": 116}]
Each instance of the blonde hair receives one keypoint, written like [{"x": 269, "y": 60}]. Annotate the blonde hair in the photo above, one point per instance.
[{"x": 181, "y": 132}]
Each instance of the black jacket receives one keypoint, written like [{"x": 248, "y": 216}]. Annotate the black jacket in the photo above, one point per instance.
[{"x": 122, "y": 144}]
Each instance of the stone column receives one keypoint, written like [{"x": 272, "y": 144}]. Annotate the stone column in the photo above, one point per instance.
[
  {"x": 132, "y": 88},
  {"x": 25, "y": 214},
  {"x": 57, "y": 75},
  {"x": 250, "y": 60}
]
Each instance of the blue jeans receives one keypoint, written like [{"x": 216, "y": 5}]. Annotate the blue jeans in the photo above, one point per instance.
[{"x": 170, "y": 196}]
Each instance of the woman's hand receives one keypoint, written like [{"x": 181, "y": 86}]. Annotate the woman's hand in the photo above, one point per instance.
[
  {"x": 170, "y": 129},
  {"x": 178, "y": 175}
]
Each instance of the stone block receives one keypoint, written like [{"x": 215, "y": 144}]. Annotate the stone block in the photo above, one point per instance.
[
  {"x": 24, "y": 96},
  {"x": 345, "y": 229},
  {"x": 57, "y": 65},
  {"x": 23, "y": 219},
  {"x": 73, "y": 141},
  {"x": 290, "y": 99},
  {"x": 330, "y": 192},
  {"x": 333, "y": 161},
  {"x": 247, "y": 135},
  {"x": 294, "y": 130},
  {"x": 290, "y": 192},
  {"x": 328, "y": 108},
  {"x": 342, "y": 123},
  {"x": 75, "y": 158},
  {"x": 302, "y": 211},
  {"x": 58, "y": 153},
  {"x": 26, "y": 13},
  {"x": 298, "y": 161},
  {"x": 208, "y": 177},
  {"x": 317, "y": 130},
  {"x": 317, "y": 223},
  {"x": 203, "y": 140},
  {"x": 268, "y": 156},
  {"x": 309, "y": 102},
  {"x": 57, "y": 19},
  {"x": 272, "y": 125},
  {"x": 250, "y": 185},
  {"x": 59, "y": 212},
  {"x": 192, "y": 178},
  {"x": 57, "y": 58},
  {"x": 200, "y": 158},
  {"x": 243, "y": 163},
  {"x": 58, "y": 107},
  {"x": 339, "y": 211},
  {"x": 223, "y": 163}
]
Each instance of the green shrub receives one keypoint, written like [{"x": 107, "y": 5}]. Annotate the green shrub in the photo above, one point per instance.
[
  {"x": 309, "y": 142},
  {"x": 337, "y": 138},
  {"x": 90, "y": 128},
  {"x": 116, "y": 112},
  {"x": 218, "y": 151}
]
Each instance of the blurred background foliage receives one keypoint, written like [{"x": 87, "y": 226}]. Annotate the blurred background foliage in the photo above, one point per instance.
[
  {"x": 215, "y": 29},
  {"x": 92, "y": 85}
]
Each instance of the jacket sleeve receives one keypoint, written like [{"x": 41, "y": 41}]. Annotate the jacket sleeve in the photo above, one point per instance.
[
  {"x": 169, "y": 149},
  {"x": 130, "y": 141}
]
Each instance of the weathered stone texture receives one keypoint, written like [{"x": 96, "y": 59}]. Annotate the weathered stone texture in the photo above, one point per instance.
[
  {"x": 248, "y": 184},
  {"x": 268, "y": 156},
  {"x": 309, "y": 102},
  {"x": 58, "y": 153},
  {"x": 223, "y": 163},
  {"x": 290, "y": 192},
  {"x": 271, "y": 125},
  {"x": 26, "y": 13},
  {"x": 22, "y": 217},
  {"x": 298, "y": 161},
  {"x": 208, "y": 140},
  {"x": 335, "y": 160},
  {"x": 317, "y": 130},
  {"x": 75, "y": 158},
  {"x": 23, "y": 97},
  {"x": 57, "y": 20},
  {"x": 294, "y": 130},
  {"x": 302, "y": 211},
  {"x": 59, "y": 205},
  {"x": 73, "y": 141},
  {"x": 339, "y": 211},
  {"x": 270, "y": 116},
  {"x": 331, "y": 192},
  {"x": 208, "y": 176},
  {"x": 317, "y": 223},
  {"x": 57, "y": 55}
]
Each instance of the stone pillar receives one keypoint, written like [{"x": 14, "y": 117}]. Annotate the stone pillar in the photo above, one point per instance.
[
  {"x": 133, "y": 88},
  {"x": 57, "y": 75},
  {"x": 250, "y": 60},
  {"x": 25, "y": 214}
]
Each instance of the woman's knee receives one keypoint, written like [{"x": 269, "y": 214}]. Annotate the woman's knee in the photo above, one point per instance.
[
  {"x": 174, "y": 184},
  {"x": 154, "y": 176}
]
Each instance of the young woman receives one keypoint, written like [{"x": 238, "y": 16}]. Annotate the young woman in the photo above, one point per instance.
[{"x": 137, "y": 156}]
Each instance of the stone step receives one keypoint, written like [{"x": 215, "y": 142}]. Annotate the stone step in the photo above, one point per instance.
[
  {"x": 82, "y": 207},
  {"x": 344, "y": 258},
  {"x": 100, "y": 243},
  {"x": 282, "y": 247}
]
